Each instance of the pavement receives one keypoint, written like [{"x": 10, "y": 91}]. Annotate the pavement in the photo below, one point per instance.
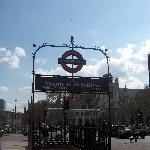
[
  {"x": 20, "y": 142},
  {"x": 124, "y": 144},
  {"x": 13, "y": 142}
]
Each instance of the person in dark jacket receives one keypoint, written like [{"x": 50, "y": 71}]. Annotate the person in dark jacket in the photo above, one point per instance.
[{"x": 134, "y": 135}]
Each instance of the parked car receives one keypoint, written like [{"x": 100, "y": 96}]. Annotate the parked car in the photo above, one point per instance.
[
  {"x": 141, "y": 130},
  {"x": 124, "y": 131},
  {"x": 114, "y": 130},
  {"x": 148, "y": 130}
]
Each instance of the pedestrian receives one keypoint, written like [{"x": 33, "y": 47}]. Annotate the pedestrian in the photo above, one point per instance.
[
  {"x": 45, "y": 130},
  {"x": 134, "y": 135}
]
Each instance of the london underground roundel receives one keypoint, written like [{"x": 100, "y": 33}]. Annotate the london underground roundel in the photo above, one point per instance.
[{"x": 78, "y": 61}]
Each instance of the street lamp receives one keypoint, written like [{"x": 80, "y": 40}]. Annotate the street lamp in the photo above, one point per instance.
[
  {"x": 15, "y": 114},
  {"x": 12, "y": 119}
]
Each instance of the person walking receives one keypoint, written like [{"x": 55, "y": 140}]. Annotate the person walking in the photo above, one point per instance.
[{"x": 134, "y": 135}]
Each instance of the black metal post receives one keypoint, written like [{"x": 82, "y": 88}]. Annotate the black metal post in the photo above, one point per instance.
[
  {"x": 32, "y": 101},
  {"x": 149, "y": 78},
  {"x": 65, "y": 122},
  {"x": 149, "y": 68},
  {"x": 12, "y": 117},
  {"x": 31, "y": 125},
  {"x": 15, "y": 115},
  {"x": 33, "y": 73},
  {"x": 44, "y": 112},
  {"x": 109, "y": 109},
  {"x": 72, "y": 49}
]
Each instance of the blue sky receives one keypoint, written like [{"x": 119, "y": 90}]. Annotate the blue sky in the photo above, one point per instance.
[{"x": 121, "y": 26}]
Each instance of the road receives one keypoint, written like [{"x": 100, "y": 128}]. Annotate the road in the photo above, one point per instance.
[
  {"x": 19, "y": 142},
  {"x": 124, "y": 144},
  {"x": 13, "y": 142}
]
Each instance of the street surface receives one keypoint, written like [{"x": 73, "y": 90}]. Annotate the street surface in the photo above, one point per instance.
[
  {"x": 124, "y": 144},
  {"x": 19, "y": 142},
  {"x": 13, "y": 142}
]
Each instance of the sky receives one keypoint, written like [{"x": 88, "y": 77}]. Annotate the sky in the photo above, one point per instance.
[{"x": 121, "y": 26}]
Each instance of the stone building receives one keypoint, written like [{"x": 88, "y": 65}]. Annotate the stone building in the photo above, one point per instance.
[
  {"x": 126, "y": 95},
  {"x": 83, "y": 107},
  {"x": 55, "y": 117}
]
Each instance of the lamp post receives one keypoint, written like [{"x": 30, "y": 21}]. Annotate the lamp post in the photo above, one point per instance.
[
  {"x": 12, "y": 119},
  {"x": 15, "y": 114},
  {"x": 149, "y": 68}
]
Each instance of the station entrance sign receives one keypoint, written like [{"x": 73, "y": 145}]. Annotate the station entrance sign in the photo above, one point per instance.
[
  {"x": 79, "y": 62},
  {"x": 76, "y": 84}
]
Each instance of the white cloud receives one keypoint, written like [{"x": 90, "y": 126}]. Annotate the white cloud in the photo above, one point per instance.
[
  {"x": 97, "y": 69},
  {"x": 131, "y": 82},
  {"x": 25, "y": 89},
  {"x": 56, "y": 71},
  {"x": 4, "y": 52},
  {"x": 40, "y": 60},
  {"x": 4, "y": 89},
  {"x": 129, "y": 63},
  {"x": 40, "y": 96},
  {"x": 20, "y": 52},
  {"x": 19, "y": 106},
  {"x": 12, "y": 60}
]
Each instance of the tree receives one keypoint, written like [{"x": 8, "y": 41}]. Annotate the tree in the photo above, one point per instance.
[
  {"x": 143, "y": 104},
  {"x": 128, "y": 110},
  {"x": 110, "y": 76}
]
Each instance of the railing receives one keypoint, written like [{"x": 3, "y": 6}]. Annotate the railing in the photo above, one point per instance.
[
  {"x": 89, "y": 138},
  {"x": 85, "y": 138}
]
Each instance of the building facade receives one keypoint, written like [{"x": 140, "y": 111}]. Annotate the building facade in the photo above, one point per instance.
[
  {"x": 77, "y": 117},
  {"x": 2, "y": 105}
]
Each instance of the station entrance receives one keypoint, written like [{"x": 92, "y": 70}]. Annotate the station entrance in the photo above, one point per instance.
[{"x": 84, "y": 137}]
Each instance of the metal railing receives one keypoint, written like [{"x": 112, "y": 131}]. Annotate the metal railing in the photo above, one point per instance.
[{"x": 83, "y": 137}]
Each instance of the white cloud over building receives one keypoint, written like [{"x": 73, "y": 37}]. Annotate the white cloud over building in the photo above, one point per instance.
[{"x": 11, "y": 59}]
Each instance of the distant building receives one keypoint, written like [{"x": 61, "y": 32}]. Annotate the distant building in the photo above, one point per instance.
[
  {"x": 8, "y": 117},
  {"x": 126, "y": 95},
  {"x": 81, "y": 117},
  {"x": 3, "y": 115},
  {"x": 89, "y": 108},
  {"x": 2, "y": 105},
  {"x": 99, "y": 101}
]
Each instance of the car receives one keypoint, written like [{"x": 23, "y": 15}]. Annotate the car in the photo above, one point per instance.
[
  {"x": 148, "y": 130},
  {"x": 114, "y": 130},
  {"x": 124, "y": 131},
  {"x": 141, "y": 130}
]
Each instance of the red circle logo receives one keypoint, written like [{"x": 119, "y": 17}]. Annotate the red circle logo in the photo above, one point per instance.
[{"x": 79, "y": 62}]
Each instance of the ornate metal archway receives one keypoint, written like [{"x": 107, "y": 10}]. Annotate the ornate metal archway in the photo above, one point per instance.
[{"x": 37, "y": 86}]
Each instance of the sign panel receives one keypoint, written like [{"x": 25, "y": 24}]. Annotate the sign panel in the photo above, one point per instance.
[{"x": 76, "y": 84}]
